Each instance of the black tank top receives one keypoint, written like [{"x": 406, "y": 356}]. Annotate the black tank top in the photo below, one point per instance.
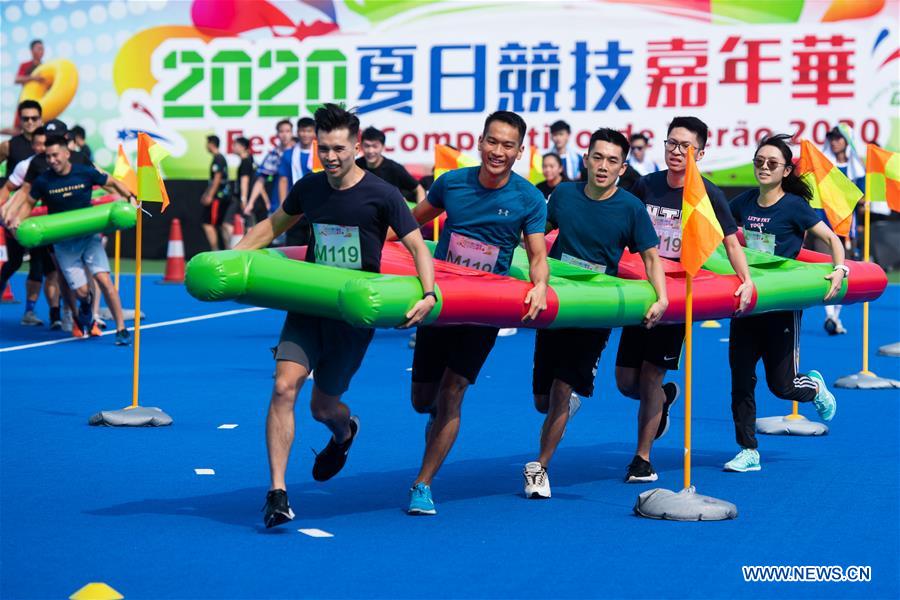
[{"x": 19, "y": 150}]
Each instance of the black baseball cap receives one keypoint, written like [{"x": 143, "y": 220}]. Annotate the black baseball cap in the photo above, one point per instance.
[{"x": 56, "y": 127}]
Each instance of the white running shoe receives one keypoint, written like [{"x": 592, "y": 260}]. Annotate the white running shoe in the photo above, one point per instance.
[
  {"x": 537, "y": 482},
  {"x": 67, "y": 320},
  {"x": 31, "y": 319},
  {"x": 507, "y": 331}
]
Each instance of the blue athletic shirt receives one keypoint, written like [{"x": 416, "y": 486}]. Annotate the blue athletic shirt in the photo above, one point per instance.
[
  {"x": 664, "y": 207},
  {"x": 597, "y": 231},
  {"x": 61, "y": 193},
  {"x": 776, "y": 229},
  {"x": 478, "y": 216}
]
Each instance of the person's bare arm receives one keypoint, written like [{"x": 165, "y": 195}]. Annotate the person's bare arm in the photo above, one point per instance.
[
  {"x": 245, "y": 192},
  {"x": 23, "y": 211},
  {"x": 836, "y": 277},
  {"x": 657, "y": 277},
  {"x": 425, "y": 269},
  {"x": 262, "y": 234},
  {"x": 538, "y": 272},
  {"x": 4, "y": 151},
  {"x": 738, "y": 261},
  {"x": 420, "y": 194}
]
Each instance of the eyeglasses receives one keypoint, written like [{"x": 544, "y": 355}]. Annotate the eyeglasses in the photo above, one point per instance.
[
  {"x": 769, "y": 163},
  {"x": 672, "y": 145},
  {"x": 31, "y": 118}
]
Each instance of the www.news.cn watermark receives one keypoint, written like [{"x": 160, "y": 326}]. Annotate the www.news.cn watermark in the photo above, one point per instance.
[{"x": 807, "y": 573}]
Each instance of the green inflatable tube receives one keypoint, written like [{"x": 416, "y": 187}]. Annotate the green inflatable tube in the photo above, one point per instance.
[
  {"x": 260, "y": 278},
  {"x": 49, "y": 229},
  {"x": 781, "y": 283}
]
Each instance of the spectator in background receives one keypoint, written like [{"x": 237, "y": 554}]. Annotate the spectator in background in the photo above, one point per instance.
[
  {"x": 266, "y": 185},
  {"x": 78, "y": 136},
  {"x": 24, "y": 76},
  {"x": 296, "y": 164},
  {"x": 568, "y": 154},
  {"x": 552, "y": 168},
  {"x": 217, "y": 196},
  {"x": 374, "y": 161},
  {"x": 257, "y": 210},
  {"x": 638, "y": 158}
]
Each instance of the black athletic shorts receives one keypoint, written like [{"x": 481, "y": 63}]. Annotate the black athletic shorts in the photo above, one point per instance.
[
  {"x": 660, "y": 346},
  {"x": 460, "y": 348},
  {"x": 334, "y": 349},
  {"x": 214, "y": 214},
  {"x": 570, "y": 355},
  {"x": 41, "y": 263}
]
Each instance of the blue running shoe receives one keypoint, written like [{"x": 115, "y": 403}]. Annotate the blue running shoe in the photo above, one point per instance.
[
  {"x": 825, "y": 403},
  {"x": 746, "y": 460},
  {"x": 420, "y": 502}
]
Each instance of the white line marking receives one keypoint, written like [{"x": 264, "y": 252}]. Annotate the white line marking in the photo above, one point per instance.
[
  {"x": 226, "y": 313},
  {"x": 205, "y": 471},
  {"x": 227, "y": 426},
  {"x": 317, "y": 533},
  {"x": 723, "y": 339}
]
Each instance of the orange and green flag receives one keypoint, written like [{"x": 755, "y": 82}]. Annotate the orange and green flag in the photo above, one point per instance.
[
  {"x": 883, "y": 176},
  {"x": 701, "y": 233},
  {"x": 447, "y": 158},
  {"x": 315, "y": 164},
  {"x": 536, "y": 170},
  {"x": 124, "y": 172},
  {"x": 150, "y": 186},
  {"x": 831, "y": 189}
]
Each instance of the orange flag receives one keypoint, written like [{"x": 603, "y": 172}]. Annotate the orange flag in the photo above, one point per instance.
[
  {"x": 701, "y": 233},
  {"x": 883, "y": 176},
  {"x": 124, "y": 172},
  {"x": 315, "y": 164},
  {"x": 448, "y": 159},
  {"x": 150, "y": 186},
  {"x": 536, "y": 171},
  {"x": 831, "y": 189}
]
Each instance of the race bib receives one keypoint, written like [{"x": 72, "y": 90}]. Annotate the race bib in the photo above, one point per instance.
[
  {"x": 467, "y": 252},
  {"x": 669, "y": 232},
  {"x": 757, "y": 240},
  {"x": 577, "y": 262},
  {"x": 337, "y": 246}
]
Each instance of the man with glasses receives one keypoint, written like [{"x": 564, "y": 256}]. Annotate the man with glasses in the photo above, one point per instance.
[
  {"x": 638, "y": 158},
  {"x": 646, "y": 354}
]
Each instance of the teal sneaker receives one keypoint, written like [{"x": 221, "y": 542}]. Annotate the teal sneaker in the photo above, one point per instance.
[
  {"x": 825, "y": 403},
  {"x": 746, "y": 460},
  {"x": 420, "y": 502}
]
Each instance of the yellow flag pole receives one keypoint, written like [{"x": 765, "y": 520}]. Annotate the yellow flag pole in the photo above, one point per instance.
[
  {"x": 434, "y": 229},
  {"x": 117, "y": 257},
  {"x": 137, "y": 308},
  {"x": 865, "y": 340},
  {"x": 688, "y": 356}
]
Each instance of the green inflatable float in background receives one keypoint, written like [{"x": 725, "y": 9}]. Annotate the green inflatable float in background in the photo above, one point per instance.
[{"x": 103, "y": 218}]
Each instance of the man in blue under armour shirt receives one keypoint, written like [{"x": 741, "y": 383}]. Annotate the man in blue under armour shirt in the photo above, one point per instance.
[{"x": 488, "y": 209}]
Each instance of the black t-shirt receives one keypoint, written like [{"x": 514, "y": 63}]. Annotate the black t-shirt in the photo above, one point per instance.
[
  {"x": 392, "y": 172},
  {"x": 546, "y": 189},
  {"x": 220, "y": 165},
  {"x": 349, "y": 226},
  {"x": 39, "y": 164},
  {"x": 71, "y": 191},
  {"x": 776, "y": 229},
  {"x": 628, "y": 180},
  {"x": 19, "y": 150},
  {"x": 246, "y": 168},
  {"x": 664, "y": 206}
]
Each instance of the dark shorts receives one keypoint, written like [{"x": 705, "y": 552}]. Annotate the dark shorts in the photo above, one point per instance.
[
  {"x": 233, "y": 208},
  {"x": 214, "y": 214},
  {"x": 41, "y": 263},
  {"x": 460, "y": 348},
  {"x": 570, "y": 355},
  {"x": 660, "y": 346},
  {"x": 334, "y": 349}
]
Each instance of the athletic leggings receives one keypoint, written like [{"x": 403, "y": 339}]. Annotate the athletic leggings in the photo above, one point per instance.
[
  {"x": 774, "y": 337},
  {"x": 14, "y": 254}
]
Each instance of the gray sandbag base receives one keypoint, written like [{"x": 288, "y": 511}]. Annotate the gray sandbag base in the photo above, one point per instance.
[
  {"x": 866, "y": 381},
  {"x": 686, "y": 505},
  {"x": 890, "y": 350},
  {"x": 142, "y": 416},
  {"x": 786, "y": 426}
]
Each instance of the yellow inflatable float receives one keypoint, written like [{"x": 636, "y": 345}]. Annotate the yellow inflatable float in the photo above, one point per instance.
[{"x": 56, "y": 91}]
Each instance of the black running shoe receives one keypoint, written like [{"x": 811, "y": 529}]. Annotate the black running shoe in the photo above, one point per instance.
[
  {"x": 278, "y": 510},
  {"x": 672, "y": 392},
  {"x": 831, "y": 326},
  {"x": 640, "y": 471},
  {"x": 331, "y": 460}
]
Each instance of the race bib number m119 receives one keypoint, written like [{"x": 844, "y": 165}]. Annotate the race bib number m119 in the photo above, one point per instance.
[{"x": 337, "y": 246}]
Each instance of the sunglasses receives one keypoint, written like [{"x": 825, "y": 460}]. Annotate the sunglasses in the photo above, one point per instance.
[
  {"x": 31, "y": 118},
  {"x": 769, "y": 163}
]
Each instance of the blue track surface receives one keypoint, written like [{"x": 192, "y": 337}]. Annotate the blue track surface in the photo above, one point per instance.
[{"x": 124, "y": 506}]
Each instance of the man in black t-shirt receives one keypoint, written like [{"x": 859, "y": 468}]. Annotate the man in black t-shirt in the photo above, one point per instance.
[
  {"x": 217, "y": 197},
  {"x": 239, "y": 201},
  {"x": 394, "y": 173},
  {"x": 646, "y": 354},
  {"x": 349, "y": 211}
]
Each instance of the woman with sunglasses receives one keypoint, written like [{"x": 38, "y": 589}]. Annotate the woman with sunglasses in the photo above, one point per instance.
[{"x": 774, "y": 219}]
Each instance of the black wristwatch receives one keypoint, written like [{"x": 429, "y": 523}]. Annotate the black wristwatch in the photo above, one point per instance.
[{"x": 432, "y": 294}]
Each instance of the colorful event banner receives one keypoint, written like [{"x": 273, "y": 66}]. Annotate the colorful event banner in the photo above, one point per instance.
[{"x": 427, "y": 72}]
